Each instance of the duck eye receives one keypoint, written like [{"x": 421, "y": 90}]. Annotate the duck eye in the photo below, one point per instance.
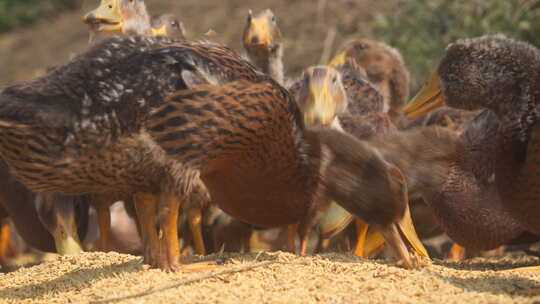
[
  {"x": 174, "y": 24},
  {"x": 110, "y": 6},
  {"x": 273, "y": 18},
  {"x": 334, "y": 80}
]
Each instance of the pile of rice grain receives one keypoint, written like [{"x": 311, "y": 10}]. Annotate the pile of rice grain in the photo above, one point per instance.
[{"x": 327, "y": 278}]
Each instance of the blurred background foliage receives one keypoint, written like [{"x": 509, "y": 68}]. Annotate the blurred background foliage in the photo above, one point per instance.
[
  {"x": 18, "y": 13},
  {"x": 420, "y": 29}
]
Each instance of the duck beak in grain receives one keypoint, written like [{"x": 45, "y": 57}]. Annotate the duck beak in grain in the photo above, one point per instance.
[
  {"x": 338, "y": 60},
  {"x": 402, "y": 235},
  {"x": 374, "y": 243},
  {"x": 429, "y": 98},
  {"x": 162, "y": 31},
  {"x": 105, "y": 18},
  {"x": 65, "y": 235}
]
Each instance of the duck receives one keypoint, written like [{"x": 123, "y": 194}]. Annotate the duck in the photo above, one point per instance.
[
  {"x": 465, "y": 79},
  {"x": 132, "y": 18},
  {"x": 128, "y": 17},
  {"x": 385, "y": 68},
  {"x": 454, "y": 174},
  {"x": 168, "y": 25},
  {"x": 262, "y": 42},
  {"x": 50, "y": 223},
  {"x": 343, "y": 99}
]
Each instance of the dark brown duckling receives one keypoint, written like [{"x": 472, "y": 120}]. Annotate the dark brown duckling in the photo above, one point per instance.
[
  {"x": 499, "y": 74},
  {"x": 385, "y": 68},
  {"x": 454, "y": 174},
  {"x": 364, "y": 183}
]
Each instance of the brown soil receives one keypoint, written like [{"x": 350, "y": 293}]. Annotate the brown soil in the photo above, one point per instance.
[
  {"x": 305, "y": 25},
  {"x": 328, "y": 278}
]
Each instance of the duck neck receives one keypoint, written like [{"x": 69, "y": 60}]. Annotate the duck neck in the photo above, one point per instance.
[
  {"x": 270, "y": 62},
  {"x": 139, "y": 23},
  {"x": 456, "y": 181}
]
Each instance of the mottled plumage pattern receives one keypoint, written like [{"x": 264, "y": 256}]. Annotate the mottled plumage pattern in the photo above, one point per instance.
[
  {"x": 501, "y": 74},
  {"x": 80, "y": 129},
  {"x": 363, "y": 96},
  {"x": 442, "y": 168},
  {"x": 385, "y": 69}
]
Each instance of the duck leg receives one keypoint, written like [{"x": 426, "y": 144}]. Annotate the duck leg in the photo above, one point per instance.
[
  {"x": 361, "y": 230},
  {"x": 5, "y": 230},
  {"x": 292, "y": 231},
  {"x": 169, "y": 257},
  {"x": 195, "y": 226},
  {"x": 146, "y": 209},
  {"x": 456, "y": 253},
  {"x": 104, "y": 223}
]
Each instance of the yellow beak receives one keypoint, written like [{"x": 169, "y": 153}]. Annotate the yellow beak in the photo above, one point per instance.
[
  {"x": 261, "y": 30},
  {"x": 429, "y": 98},
  {"x": 322, "y": 109},
  {"x": 107, "y": 16},
  {"x": 338, "y": 60},
  {"x": 162, "y": 31},
  {"x": 401, "y": 231}
]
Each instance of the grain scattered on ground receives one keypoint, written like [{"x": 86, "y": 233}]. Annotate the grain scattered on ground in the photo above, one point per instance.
[{"x": 327, "y": 278}]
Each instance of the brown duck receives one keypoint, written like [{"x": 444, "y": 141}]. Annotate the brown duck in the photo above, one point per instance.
[
  {"x": 263, "y": 43},
  {"x": 103, "y": 123},
  {"x": 385, "y": 68},
  {"x": 131, "y": 17},
  {"x": 343, "y": 99},
  {"x": 499, "y": 74}
]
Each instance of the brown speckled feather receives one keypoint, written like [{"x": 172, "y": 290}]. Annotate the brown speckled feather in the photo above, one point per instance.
[
  {"x": 363, "y": 97},
  {"x": 80, "y": 129},
  {"x": 247, "y": 140}
]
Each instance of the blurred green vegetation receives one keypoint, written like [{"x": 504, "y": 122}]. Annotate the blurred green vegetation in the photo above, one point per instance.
[
  {"x": 17, "y": 13},
  {"x": 421, "y": 29}
]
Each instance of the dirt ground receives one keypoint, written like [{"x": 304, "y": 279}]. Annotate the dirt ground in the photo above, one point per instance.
[
  {"x": 282, "y": 278},
  {"x": 305, "y": 24}
]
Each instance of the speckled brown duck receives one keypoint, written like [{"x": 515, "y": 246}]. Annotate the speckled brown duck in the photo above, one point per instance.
[
  {"x": 499, "y": 74},
  {"x": 385, "y": 68},
  {"x": 97, "y": 142},
  {"x": 131, "y": 17}
]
